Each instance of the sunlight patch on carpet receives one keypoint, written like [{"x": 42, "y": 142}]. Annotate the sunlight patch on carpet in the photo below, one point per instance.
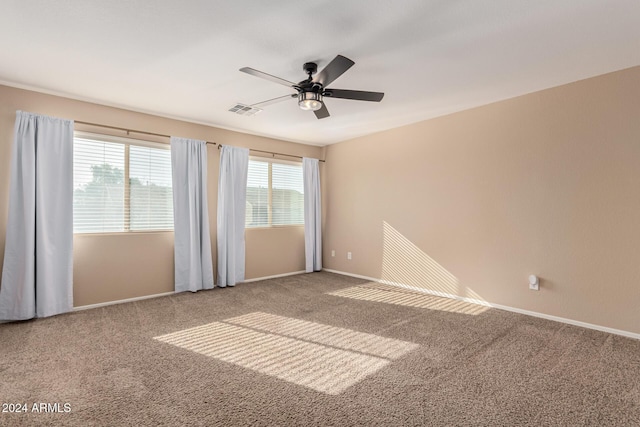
[
  {"x": 324, "y": 358},
  {"x": 390, "y": 294}
]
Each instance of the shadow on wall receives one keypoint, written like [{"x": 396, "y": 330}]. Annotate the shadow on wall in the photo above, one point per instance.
[{"x": 405, "y": 265}]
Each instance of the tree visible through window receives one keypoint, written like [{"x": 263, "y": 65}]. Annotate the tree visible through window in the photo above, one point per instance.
[
  {"x": 120, "y": 186},
  {"x": 275, "y": 194}
]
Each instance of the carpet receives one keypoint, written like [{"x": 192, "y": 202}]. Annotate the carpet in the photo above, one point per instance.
[{"x": 316, "y": 349}]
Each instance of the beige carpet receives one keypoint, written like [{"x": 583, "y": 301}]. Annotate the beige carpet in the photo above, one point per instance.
[{"x": 313, "y": 350}]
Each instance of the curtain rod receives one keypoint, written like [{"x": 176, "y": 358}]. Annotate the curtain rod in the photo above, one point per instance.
[
  {"x": 130, "y": 130},
  {"x": 274, "y": 154},
  {"x": 169, "y": 136}
]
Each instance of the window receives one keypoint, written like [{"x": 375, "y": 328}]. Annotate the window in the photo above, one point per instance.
[
  {"x": 275, "y": 194},
  {"x": 120, "y": 185}
]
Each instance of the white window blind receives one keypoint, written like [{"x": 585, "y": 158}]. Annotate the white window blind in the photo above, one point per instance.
[
  {"x": 98, "y": 186},
  {"x": 151, "y": 198},
  {"x": 120, "y": 186},
  {"x": 287, "y": 202},
  {"x": 275, "y": 194},
  {"x": 257, "y": 210}
]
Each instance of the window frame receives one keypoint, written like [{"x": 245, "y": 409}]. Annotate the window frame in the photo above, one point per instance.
[
  {"x": 127, "y": 142},
  {"x": 270, "y": 161}
]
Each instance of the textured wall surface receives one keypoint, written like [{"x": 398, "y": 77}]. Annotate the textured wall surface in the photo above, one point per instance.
[{"x": 472, "y": 203}]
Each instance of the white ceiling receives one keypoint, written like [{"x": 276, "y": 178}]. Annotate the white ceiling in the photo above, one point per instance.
[{"x": 431, "y": 57}]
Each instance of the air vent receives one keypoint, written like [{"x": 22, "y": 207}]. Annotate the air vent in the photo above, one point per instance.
[{"x": 244, "y": 110}]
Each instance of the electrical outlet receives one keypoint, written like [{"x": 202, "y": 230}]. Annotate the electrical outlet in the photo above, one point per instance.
[
  {"x": 333, "y": 252},
  {"x": 534, "y": 283},
  {"x": 348, "y": 255}
]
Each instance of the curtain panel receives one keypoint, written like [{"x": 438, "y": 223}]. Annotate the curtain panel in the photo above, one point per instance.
[
  {"x": 192, "y": 241},
  {"x": 232, "y": 196},
  {"x": 37, "y": 274},
  {"x": 312, "y": 215}
]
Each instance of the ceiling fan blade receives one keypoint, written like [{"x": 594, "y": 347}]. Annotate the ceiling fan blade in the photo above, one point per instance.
[
  {"x": 358, "y": 95},
  {"x": 333, "y": 70},
  {"x": 322, "y": 113},
  {"x": 273, "y": 100},
  {"x": 266, "y": 76}
]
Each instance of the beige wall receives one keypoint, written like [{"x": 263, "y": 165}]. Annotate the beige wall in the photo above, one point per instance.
[
  {"x": 468, "y": 204},
  {"x": 126, "y": 265},
  {"x": 472, "y": 203}
]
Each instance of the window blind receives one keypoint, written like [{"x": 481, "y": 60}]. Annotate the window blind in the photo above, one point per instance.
[
  {"x": 120, "y": 187},
  {"x": 275, "y": 194},
  {"x": 257, "y": 210},
  {"x": 287, "y": 201},
  {"x": 98, "y": 186},
  {"x": 151, "y": 197}
]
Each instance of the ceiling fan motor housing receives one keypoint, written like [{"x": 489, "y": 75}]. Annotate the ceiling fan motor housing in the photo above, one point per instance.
[{"x": 310, "y": 68}]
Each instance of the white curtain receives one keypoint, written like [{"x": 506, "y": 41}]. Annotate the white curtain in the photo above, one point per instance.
[
  {"x": 312, "y": 215},
  {"x": 192, "y": 242},
  {"x": 232, "y": 196},
  {"x": 37, "y": 274}
]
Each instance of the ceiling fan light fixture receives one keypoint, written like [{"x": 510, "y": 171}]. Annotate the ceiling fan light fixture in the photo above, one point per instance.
[{"x": 310, "y": 101}]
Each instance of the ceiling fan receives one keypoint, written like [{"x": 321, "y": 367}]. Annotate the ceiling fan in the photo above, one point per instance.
[{"x": 312, "y": 91}]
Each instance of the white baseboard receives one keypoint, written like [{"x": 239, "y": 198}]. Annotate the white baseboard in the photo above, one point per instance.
[
  {"x": 121, "y": 301},
  {"x": 498, "y": 306},
  {"x": 257, "y": 279}
]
